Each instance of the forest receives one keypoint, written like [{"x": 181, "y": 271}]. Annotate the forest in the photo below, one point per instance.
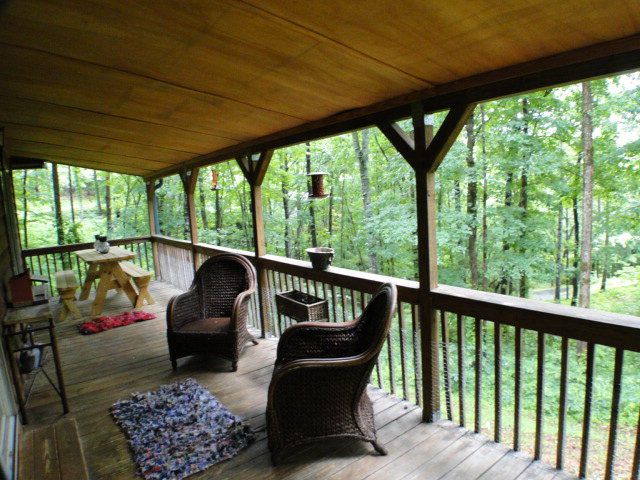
[{"x": 539, "y": 197}]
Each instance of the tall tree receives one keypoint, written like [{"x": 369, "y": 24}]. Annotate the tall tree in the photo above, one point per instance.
[
  {"x": 57, "y": 207},
  {"x": 96, "y": 189},
  {"x": 107, "y": 202},
  {"x": 472, "y": 204},
  {"x": 203, "y": 203},
  {"x": 312, "y": 212},
  {"x": 25, "y": 211},
  {"x": 587, "y": 196},
  {"x": 523, "y": 203},
  {"x": 558, "y": 279},
  {"x": 605, "y": 248},
  {"x": 285, "y": 204},
  {"x": 361, "y": 147}
]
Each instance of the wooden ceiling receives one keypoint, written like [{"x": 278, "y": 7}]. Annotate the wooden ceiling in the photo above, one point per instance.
[{"x": 141, "y": 87}]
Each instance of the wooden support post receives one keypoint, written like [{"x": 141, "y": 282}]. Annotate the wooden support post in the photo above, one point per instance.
[
  {"x": 11, "y": 214},
  {"x": 254, "y": 172},
  {"x": 189, "y": 180},
  {"x": 153, "y": 222},
  {"x": 424, "y": 153}
]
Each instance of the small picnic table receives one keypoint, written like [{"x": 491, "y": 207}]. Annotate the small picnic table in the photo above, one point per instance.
[{"x": 105, "y": 267}]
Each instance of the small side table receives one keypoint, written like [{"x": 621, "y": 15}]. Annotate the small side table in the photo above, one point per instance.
[
  {"x": 26, "y": 321},
  {"x": 301, "y": 307}
]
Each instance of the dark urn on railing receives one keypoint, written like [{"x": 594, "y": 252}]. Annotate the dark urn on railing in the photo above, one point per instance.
[
  {"x": 321, "y": 257},
  {"x": 102, "y": 246}
]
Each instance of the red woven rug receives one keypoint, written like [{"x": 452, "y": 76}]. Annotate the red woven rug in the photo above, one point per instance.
[{"x": 101, "y": 324}]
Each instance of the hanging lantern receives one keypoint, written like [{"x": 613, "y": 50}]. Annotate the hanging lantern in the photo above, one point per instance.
[
  {"x": 214, "y": 180},
  {"x": 317, "y": 185}
]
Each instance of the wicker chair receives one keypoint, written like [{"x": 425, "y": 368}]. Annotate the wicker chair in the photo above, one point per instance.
[
  {"x": 211, "y": 317},
  {"x": 319, "y": 384}
]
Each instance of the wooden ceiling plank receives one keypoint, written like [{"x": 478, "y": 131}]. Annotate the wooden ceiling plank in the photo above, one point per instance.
[
  {"x": 48, "y": 78},
  {"x": 296, "y": 69},
  {"x": 107, "y": 167},
  {"x": 568, "y": 67},
  {"x": 79, "y": 154},
  {"x": 95, "y": 144},
  {"x": 38, "y": 114}
]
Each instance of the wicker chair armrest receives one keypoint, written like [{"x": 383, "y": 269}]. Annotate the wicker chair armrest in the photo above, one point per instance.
[
  {"x": 240, "y": 308},
  {"x": 319, "y": 340},
  {"x": 183, "y": 309}
]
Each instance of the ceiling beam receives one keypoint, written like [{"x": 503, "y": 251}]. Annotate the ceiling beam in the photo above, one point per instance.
[{"x": 584, "y": 63}]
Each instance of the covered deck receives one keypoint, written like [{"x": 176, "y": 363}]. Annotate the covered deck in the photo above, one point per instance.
[{"x": 103, "y": 368}]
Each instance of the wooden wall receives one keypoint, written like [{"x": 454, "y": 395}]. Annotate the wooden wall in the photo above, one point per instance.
[{"x": 5, "y": 253}]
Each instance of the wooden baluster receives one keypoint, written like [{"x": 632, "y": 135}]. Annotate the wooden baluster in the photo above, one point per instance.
[
  {"x": 588, "y": 400},
  {"x": 462, "y": 367},
  {"x": 49, "y": 273},
  {"x": 540, "y": 397},
  {"x": 478, "y": 392},
  {"x": 403, "y": 352},
  {"x": 497, "y": 402},
  {"x": 615, "y": 410},
  {"x": 444, "y": 327},
  {"x": 517, "y": 393},
  {"x": 353, "y": 304},
  {"x": 344, "y": 308},
  {"x": 417, "y": 371},
  {"x": 315, "y": 288},
  {"x": 333, "y": 303},
  {"x": 146, "y": 256},
  {"x": 306, "y": 282},
  {"x": 562, "y": 408},
  {"x": 635, "y": 469},
  {"x": 391, "y": 360},
  {"x": 40, "y": 271}
]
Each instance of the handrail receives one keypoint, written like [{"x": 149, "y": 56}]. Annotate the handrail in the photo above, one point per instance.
[
  {"x": 342, "y": 277},
  {"x": 174, "y": 242},
  {"x": 604, "y": 328},
  {"x": 71, "y": 247}
]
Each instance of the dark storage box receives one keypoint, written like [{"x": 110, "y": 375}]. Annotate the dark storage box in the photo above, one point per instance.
[{"x": 301, "y": 306}]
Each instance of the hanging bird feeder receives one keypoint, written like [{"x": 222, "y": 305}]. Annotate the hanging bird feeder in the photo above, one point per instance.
[
  {"x": 317, "y": 185},
  {"x": 214, "y": 180}
]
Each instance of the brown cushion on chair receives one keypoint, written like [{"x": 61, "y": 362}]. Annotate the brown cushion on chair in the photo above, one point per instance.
[{"x": 207, "y": 325}]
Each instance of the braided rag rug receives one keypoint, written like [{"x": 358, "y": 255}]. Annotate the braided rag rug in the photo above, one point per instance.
[{"x": 179, "y": 429}]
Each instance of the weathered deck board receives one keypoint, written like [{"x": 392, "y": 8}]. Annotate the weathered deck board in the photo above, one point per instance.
[{"x": 100, "y": 369}]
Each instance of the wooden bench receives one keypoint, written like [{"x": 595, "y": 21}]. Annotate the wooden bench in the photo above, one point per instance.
[
  {"x": 142, "y": 278},
  {"x": 67, "y": 285},
  {"x": 53, "y": 452}
]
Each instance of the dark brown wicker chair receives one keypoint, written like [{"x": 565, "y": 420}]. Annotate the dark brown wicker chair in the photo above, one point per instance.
[
  {"x": 211, "y": 317},
  {"x": 319, "y": 384}
]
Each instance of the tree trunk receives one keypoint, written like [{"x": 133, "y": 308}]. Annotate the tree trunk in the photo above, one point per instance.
[
  {"x": 96, "y": 188},
  {"x": 587, "y": 196},
  {"x": 524, "y": 201},
  {"x": 73, "y": 210},
  {"x": 472, "y": 204},
  {"x": 504, "y": 286},
  {"x": 57, "y": 208},
  {"x": 484, "y": 201},
  {"x": 107, "y": 202},
  {"x": 605, "y": 253},
  {"x": 25, "y": 238},
  {"x": 78, "y": 188},
  {"x": 286, "y": 208},
  {"x": 576, "y": 253},
  {"x": 330, "y": 220},
  {"x": 312, "y": 213},
  {"x": 203, "y": 203},
  {"x": 558, "y": 284},
  {"x": 362, "y": 153}
]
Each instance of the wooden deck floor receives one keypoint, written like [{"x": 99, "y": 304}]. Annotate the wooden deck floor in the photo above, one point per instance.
[{"x": 100, "y": 369}]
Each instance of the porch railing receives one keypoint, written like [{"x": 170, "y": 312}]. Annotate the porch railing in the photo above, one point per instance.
[
  {"x": 495, "y": 354},
  {"x": 46, "y": 261}
]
